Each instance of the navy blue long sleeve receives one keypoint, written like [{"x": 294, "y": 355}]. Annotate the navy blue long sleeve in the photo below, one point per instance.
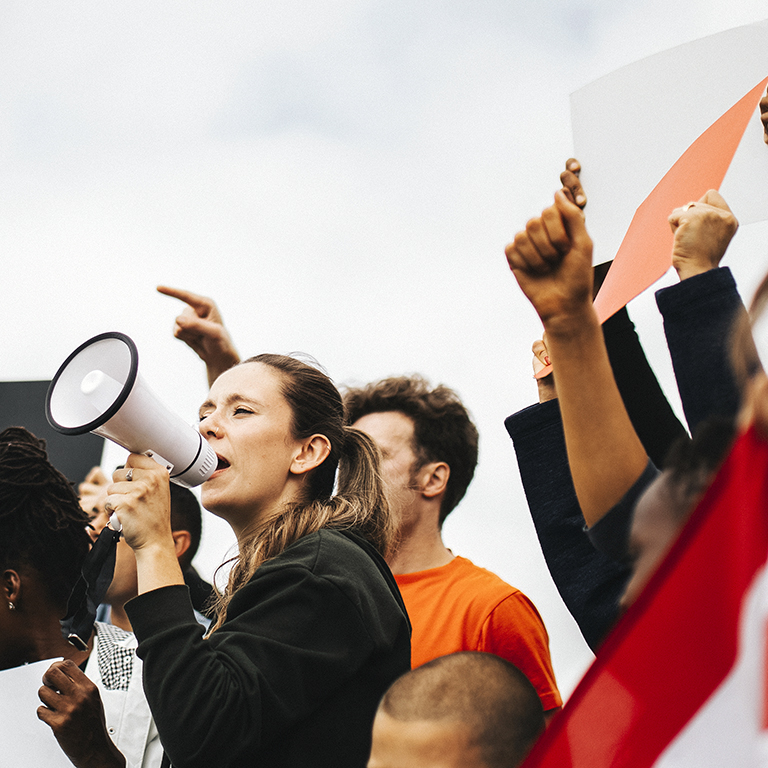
[
  {"x": 589, "y": 582},
  {"x": 699, "y": 314},
  {"x": 647, "y": 407}
]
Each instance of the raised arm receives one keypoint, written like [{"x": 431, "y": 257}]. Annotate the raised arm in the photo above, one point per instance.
[
  {"x": 700, "y": 311},
  {"x": 141, "y": 498},
  {"x": 201, "y": 328},
  {"x": 552, "y": 262},
  {"x": 649, "y": 411}
]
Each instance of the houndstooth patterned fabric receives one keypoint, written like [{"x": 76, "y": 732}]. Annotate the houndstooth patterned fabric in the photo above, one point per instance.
[{"x": 115, "y": 659}]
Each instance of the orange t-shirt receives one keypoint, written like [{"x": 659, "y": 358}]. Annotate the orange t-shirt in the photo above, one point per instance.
[{"x": 462, "y": 607}]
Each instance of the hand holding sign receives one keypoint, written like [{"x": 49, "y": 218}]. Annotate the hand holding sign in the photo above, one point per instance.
[{"x": 702, "y": 232}]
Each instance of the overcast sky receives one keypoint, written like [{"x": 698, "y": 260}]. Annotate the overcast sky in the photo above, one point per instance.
[{"x": 341, "y": 176}]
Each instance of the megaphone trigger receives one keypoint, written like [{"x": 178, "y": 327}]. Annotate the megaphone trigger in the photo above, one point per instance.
[
  {"x": 114, "y": 522},
  {"x": 160, "y": 460}
]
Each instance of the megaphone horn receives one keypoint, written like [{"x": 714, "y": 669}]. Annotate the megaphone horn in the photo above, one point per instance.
[{"x": 98, "y": 389}]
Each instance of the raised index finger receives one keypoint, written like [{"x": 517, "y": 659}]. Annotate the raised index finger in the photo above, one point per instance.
[{"x": 201, "y": 304}]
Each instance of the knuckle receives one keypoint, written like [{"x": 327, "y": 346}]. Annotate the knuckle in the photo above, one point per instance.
[
  {"x": 521, "y": 239},
  {"x": 533, "y": 224}
]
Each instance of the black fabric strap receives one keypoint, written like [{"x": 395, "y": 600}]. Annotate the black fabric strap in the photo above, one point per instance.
[{"x": 95, "y": 578}]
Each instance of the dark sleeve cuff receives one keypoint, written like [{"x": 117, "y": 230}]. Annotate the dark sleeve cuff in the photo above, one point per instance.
[
  {"x": 708, "y": 289},
  {"x": 699, "y": 314},
  {"x": 610, "y": 534},
  {"x": 155, "y": 611},
  {"x": 533, "y": 419}
]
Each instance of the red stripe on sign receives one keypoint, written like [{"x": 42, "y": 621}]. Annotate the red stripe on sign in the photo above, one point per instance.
[{"x": 678, "y": 642}]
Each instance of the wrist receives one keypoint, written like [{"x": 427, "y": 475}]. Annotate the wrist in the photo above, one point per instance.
[
  {"x": 116, "y": 760},
  {"x": 154, "y": 550},
  {"x": 157, "y": 566},
  {"x": 546, "y": 387},
  {"x": 686, "y": 270},
  {"x": 571, "y": 325},
  {"x": 112, "y": 757}
]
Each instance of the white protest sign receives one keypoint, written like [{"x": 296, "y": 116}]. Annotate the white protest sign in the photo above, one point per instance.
[
  {"x": 630, "y": 127},
  {"x": 26, "y": 741}
]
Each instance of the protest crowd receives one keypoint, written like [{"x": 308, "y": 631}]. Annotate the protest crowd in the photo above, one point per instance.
[{"x": 347, "y": 633}]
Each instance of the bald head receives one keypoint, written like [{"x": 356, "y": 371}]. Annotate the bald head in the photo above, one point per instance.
[{"x": 471, "y": 709}]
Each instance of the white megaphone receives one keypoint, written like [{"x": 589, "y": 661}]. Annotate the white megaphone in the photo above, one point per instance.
[{"x": 98, "y": 389}]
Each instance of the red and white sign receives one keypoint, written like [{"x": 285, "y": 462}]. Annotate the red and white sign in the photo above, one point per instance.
[{"x": 683, "y": 680}]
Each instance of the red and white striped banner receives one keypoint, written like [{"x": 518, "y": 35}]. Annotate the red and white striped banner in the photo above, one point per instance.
[{"x": 682, "y": 679}]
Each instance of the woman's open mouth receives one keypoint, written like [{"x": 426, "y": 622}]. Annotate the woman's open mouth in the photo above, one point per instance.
[{"x": 221, "y": 465}]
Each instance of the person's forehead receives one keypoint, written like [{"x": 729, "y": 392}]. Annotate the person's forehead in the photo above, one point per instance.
[
  {"x": 423, "y": 743},
  {"x": 253, "y": 380},
  {"x": 387, "y": 427}
]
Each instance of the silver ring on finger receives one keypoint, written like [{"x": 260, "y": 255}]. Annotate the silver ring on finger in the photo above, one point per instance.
[{"x": 129, "y": 474}]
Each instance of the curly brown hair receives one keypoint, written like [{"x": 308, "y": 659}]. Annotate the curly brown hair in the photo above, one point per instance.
[{"x": 442, "y": 427}]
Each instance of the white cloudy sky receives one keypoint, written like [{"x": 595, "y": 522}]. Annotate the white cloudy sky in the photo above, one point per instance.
[{"x": 341, "y": 176}]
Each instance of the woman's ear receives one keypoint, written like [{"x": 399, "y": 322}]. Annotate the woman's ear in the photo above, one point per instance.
[
  {"x": 314, "y": 451},
  {"x": 10, "y": 583}
]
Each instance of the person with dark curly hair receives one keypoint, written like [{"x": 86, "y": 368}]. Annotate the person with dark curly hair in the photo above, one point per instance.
[
  {"x": 88, "y": 698},
  {"x": 429, "y": 447}
]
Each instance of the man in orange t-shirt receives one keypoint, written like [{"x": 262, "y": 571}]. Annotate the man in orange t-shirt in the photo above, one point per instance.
[{"x": 429, "y": 448}]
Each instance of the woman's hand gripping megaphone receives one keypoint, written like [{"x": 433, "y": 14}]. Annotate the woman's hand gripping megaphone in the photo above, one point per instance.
[{"x": 140, "y": 498}]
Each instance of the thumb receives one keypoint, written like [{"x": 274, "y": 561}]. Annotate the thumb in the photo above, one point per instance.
[
  {"x": 197, "y": 325},
  {"x": 714, "y": 198},
  {"x": 540, "y": 351}
]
